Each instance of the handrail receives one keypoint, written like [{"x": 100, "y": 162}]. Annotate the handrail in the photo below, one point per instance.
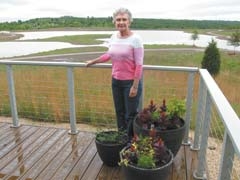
[
  {"x": 102, "y": 65},
  {"x": 231, "y": 141},
  {"x": 225, "y": 110}
]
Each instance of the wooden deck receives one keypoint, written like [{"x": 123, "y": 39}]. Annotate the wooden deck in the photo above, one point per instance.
[{"x": 42, "y": 153}]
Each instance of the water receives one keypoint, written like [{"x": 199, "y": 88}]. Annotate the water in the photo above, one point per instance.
[
  {"x": 18, "y": 48},
  {"x": 180, "y": 37}
]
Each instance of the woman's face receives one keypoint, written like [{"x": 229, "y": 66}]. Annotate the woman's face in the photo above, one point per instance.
[{"x": 122, "y": 22}]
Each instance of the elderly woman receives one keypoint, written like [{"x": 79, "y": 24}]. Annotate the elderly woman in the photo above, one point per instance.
[{"x": 126, "y": 53}]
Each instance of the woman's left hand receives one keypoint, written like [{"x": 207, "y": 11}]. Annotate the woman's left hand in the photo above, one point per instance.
[{"x": 133, "y": 92}]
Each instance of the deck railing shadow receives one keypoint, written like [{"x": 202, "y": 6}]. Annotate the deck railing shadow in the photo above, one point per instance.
[{"x": 70, "y": 92}]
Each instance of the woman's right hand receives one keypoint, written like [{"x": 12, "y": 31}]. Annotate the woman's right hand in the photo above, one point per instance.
[{"x": 89, "y": 63}]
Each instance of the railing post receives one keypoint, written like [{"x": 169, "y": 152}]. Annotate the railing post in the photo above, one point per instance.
[
  {"x": 200, "y": 113},
  {"x": 226, "y": 159},
  {"x": 72, "y": 110},
  {"x": 200, "y": 172},
  {"x": 12, "y": 96},
  {"x": 189, "y": 107}
]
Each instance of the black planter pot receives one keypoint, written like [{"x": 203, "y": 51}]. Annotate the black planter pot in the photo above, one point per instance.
[
  {"x": 172, "y": 138},
  {"x": 132, "y": 172},
  {"x": 109, "y": 152}
]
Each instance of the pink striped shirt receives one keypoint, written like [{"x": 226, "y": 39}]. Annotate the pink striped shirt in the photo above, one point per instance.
[{"x": 126, "y": 55}]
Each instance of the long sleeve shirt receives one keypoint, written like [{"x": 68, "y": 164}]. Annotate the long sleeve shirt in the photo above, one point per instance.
[{"x": 126, "y": 55}]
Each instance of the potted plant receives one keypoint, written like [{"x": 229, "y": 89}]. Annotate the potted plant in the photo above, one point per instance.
[
  {"x": 109, "y": 144},
  {"x": 146, "y": 158},
  {"x": 165, "y": 121}
]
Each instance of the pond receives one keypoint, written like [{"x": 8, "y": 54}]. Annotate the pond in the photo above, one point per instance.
[{"x": 20, "y": 47}]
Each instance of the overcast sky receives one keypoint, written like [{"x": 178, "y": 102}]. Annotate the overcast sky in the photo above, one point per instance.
[{"x": 13, "y": 10}]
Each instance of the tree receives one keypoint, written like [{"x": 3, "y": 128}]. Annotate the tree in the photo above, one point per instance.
[
  {"x": 194, "y": 36},
  {"x": 235, "y": 40},
  {"x": 211, "y": 59}
]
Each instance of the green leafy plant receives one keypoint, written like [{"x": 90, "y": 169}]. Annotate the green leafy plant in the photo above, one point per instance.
[
  {"x": 163, "y": 116},
  {"x": 176, "y": 108},
  {"x": 111, "y": 137}
]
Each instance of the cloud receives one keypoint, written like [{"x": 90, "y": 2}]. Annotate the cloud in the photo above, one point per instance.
[
  {"x": 170, "y": 9},
  {"x": 14, "y": 2},
  {"x": 215, "y": 10}
]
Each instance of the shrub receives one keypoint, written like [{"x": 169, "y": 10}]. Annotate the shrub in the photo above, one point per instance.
[{"x": 211, "y": 60}]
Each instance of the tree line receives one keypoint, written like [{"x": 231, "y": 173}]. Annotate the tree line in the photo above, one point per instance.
[{"x": 106, "y": 23}]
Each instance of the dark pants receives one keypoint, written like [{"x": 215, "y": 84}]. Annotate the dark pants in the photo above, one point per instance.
[{"x": 126, "y": 107}]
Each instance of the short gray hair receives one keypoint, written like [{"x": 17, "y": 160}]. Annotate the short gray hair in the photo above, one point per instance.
[{"x": 122, "y": 11}]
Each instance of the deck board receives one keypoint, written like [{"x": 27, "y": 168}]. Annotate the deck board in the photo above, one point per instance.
[
  {"x": 11, "y": 138},
  {"x": 55, "y": 157},
  {"x": 46, "y": 158},
  {"x": 18, "y": 150},
  {"x": 81, "y": 167},
  {"x": 179, "y": 165},
  {"x": 42, "y": 153},
  {"x": 73, "y": 151},
  {"x": 191, "y": 162},
  {"x": 25, "y": 161}
]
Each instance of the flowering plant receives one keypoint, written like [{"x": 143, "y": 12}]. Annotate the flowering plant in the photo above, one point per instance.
[
  {"x": 145, "y": 152},
  {"x": 163, "y": 117}
]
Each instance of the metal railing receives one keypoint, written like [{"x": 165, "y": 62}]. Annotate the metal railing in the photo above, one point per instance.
[{"x": 209, "y": 97}]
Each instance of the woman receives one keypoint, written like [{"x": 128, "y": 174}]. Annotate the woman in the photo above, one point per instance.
[{"x": 126, "y": 52}]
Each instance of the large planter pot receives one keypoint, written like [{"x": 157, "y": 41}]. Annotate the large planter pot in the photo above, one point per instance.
[
  {"x": 172, "y": 138},
  {"x": 109, "y": 152},
  {"x": 132, "y": 172}
]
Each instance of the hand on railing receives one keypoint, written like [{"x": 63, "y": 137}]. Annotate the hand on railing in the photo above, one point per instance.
[
  {"x": 93, "y": 61},
  {"x": 89, "y": 63}
]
